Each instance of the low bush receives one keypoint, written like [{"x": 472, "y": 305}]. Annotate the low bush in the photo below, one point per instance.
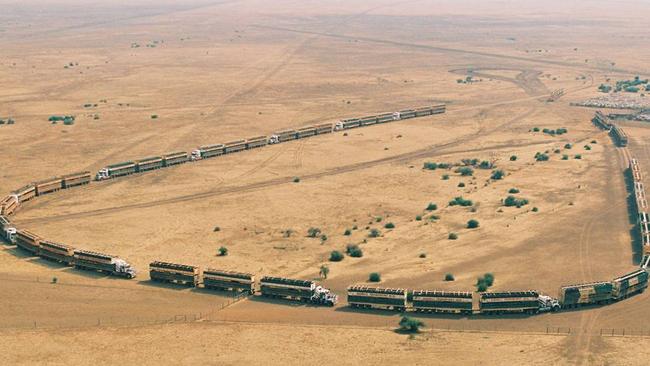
[
  {"x": 452, "y": 236},
  {"x": 460, "y": 201},
  {"x": 353, "y": 250},
  {"x": 513, "y": 158},
  {"x": 461, "y": 185},
  {"x": 411, "y": 325},
  {"x": 336, "y": 256},
  {"x": 513, "y": 190},
  {"x": 389, "y": 225},
  {"x": 223, "y": 251},
  {"x": 541, "y": 157},
  {"x": 423, "y": 255},
  {"x": 568, "y": 146},
  {"x": 374, "y": 233},
  {"x": 418, "y": 218},
  {"x": 445, "y": 177},
  {"x": 497, "y": 175},
  {"x": 313, "y": 232},
  {"x": 465, "y": 171},
  {"x": 347, "y": 232},
  {"x": 374, "y": 277},
  {"x": 472, "y": 224},
  {"x": 578, "y": 156},
  {"x": 430, "y": 166},
  {"x": 296, "y": 180},
  {"x": 511, "y": 201},
  {"x": 432, "y": 207},
  {"x": 449, "y": 277},
  {"x": 565, "y": 157}
]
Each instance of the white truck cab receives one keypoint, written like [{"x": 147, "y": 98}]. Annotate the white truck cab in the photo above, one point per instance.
[
  {"x": 274, "y": 139},
  {"x": 10, "y": 235},
  {"x": 397, "y": 116},
  {"x": 122, "y": 267},
  {"x": 196, "y": 155},
  {"x": 547, "y": 303},
  {"x": 102, "y": 174},
  {"x": 338, "y": 126}
]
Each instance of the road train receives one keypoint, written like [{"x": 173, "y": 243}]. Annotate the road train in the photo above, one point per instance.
[
  {"x": 617, "y": 133},
  {"x": 359, "y": 296},
  {"x": 504, "y": 302},
  {"x": 208, "y": 151},
  {"x": 216, "y": 279}
]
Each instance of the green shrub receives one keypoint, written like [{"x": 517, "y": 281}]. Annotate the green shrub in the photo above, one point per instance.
[
  {"x": 513, "y": 190},
  {"x": 347, "y": 232},
  {"x": 497, "y": 175},
  {"x": 565, "y": 157},
  {"x": 223, "y": 251},
  {"x": 445, "y": 177},
  {"x": 353, "y": 250},
  {"x": 535, "y": 129},
  {"x": 411, "y": 325},
  {"x": 535, "y": 209},
  {"x": 430, "y": 166},
  {"x": 378, "y": 219},
  {"x": 489, "y": 279},
  {"x": 541, "y": 157},
  {"x": 296, "y": 180},
  {"x": 472, "y": 224},
  {"x": 461, "y": 185},
  {"x": 511, "y": 201},
  {"x": 568, "y": 146},
  {"x": 449, "y": 277},
  {"x": 513, "y": 158},
  {"x": 460, "y": 201},
  {"x": 418, "y": 218},
  {"x": 55, "y": 280},
  {"x": 154, "y": 116},
  {"x": 465, "y": 171},
  {"x": 452, "y": 236},
  {"x": 423, "y": 255},
  {"x": 578, "y": 156},
  {"x": 313, "y": 232},
  {"x": 374, "y": 277},
  {"x": 336, "y": 256},
  {"x": 432, "y": 207},
  {"x": 374, "y": 233},
  {"x": 587, "y": 147},
  {"x": 389, "y": 225}
]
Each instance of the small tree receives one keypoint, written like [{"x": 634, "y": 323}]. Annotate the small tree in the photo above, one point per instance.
[
  {"x": 336, "y": 256},
  {"x": 497, "y": 175},
  {"x": 578, "y": 156},
  {"x": 389, "y": 225},
  {"x": 354, "y": 251},
  {"x": 296, "y": 180},
  {"x": 374, "y": 233},
  {"x": 223, "y": 251},
  {"x": 432, "y": 207},
  {"x": 465, "y": 171},
  {"x": 445, "y": 177},
  {"x": 453, "y": 236},
  {"x": 472, "y": 224},
  {"x": 449, "y": 277},
  {"x": 313, "y": 232},
  {"x": 410, "y": 325},
  {"x": 324, "y": 271},
  {"x": 374, "y": 277},
  {"x": 489, "y": 279},
  {"x": 347, "y": 232},
  {"x": 513, "y": 190},
  {"x": 513, "y": 158},
  {"x": 418, "y": 218}
]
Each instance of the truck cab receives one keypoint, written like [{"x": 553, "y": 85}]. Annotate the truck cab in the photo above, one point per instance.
[
  {"x": 547, "y": 303},
  {"x": 103, "y": 174},
  {"x": 396, "y": 116},
  {"x": 196, "y": 155},
  {"x": 10, "y": 235},
  {"x": 338, "y": 126},
  {"x": 324, "y": 296},
  {"x": 274, "y": 139},
  {"x": 125, "y": 269}
]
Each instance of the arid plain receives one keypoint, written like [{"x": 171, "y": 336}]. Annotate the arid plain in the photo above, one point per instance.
[{"x": 216, "y": 71}]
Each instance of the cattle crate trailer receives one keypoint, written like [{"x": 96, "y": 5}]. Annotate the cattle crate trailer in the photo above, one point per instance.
[
  {"x": 76, "y": 179},
  {"x": 217, "y": 279},
  {"x": 179, "y": 157},
  {"x": 48, "y": 185},
  {"x": 586, "y": 294},
  {"x": 150, "y": 163},
  {"x": 181, "y": 274},
  {"x": 360, "y": 296},
  {"x": 630, "y": 284},
  {"x": 57, "y": 252},
  {"x": 442, "y": 301}
]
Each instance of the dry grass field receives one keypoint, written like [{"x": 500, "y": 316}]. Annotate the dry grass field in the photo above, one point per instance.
[{"x": 216, "y": 71}]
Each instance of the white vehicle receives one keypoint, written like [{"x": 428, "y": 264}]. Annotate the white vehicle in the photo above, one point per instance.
[
  {"x": 396, "y": 116},
  {"x": 547, "y": 303},
  {"x": 196, "y": 155},
  {"x": 9, "y": 234},
  {"x": 274, "y": 139}
]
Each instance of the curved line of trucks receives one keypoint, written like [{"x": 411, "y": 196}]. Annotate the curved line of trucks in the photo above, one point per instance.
[
  {"x": 617, "y": 133},
  {"x": 209, "y": 278},
  {"x": 359, "y": 296}
]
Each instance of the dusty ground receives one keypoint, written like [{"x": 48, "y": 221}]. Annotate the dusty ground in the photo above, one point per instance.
[{"x": 226, "y": 70}]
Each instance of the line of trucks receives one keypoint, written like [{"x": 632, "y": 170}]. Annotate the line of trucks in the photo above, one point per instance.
[
  {"x": 358, "y": 296},
  {"x": 617, "y": 133},
  {"x": 209, "y": 151}
]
